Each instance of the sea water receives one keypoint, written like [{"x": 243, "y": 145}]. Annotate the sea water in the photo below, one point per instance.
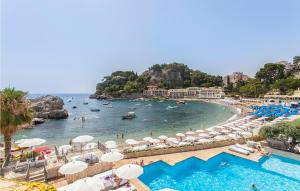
[{"x": 153, "y": 117}]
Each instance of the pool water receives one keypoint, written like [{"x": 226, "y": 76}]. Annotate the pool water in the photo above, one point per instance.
[{"x": 224, "y": 172}]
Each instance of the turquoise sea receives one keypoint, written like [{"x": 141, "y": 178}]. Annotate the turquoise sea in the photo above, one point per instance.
[{"x": 158, "y": 117}]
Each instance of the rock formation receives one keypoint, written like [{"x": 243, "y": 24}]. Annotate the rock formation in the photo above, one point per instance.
[{"x": 48, "y": 107}]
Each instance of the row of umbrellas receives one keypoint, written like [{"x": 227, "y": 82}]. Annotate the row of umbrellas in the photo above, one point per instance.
[{"x": 128, "y": 171}]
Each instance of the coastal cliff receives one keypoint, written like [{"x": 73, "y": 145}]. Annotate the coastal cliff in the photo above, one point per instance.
[{"x": 128, "y": 84}]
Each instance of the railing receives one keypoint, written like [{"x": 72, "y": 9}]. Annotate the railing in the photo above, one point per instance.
[
  {"x": 4, "y": 164},
  {"x": 27, "y": 172},
  {"x": 45, "y": 171}
]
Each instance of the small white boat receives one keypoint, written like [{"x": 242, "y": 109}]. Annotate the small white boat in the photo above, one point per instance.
[{"x": 130, "y": 115}]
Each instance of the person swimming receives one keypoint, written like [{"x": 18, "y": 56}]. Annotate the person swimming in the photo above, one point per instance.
[
  {"x": 224, "y": 164},
  {"x": 253, "y": 186}
]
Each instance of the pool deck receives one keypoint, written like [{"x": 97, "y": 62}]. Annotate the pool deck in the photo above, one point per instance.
[{"x": 174, "y": 158}]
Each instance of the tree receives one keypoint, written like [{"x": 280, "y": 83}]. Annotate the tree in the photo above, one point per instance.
[
  {"x": 270, "y": 73},
  {"x": 14, "y": 111},
  {"x": 252, "y": 88},
  {"x": 287, "y": 132},
  {"x": 286, "y": 85}
]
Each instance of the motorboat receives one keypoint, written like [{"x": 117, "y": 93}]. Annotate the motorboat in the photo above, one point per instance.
[
  {"x": 130, "y": 115},
  {"x": 106, "y": 103},
  {"x": 95, "y": 110},
  {"x": 85, "y": 103}
]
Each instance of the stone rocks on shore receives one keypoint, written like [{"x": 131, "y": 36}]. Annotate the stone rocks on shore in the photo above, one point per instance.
[{"x": 48, "y": 107}]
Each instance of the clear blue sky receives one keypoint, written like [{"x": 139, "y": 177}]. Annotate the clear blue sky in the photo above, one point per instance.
[{"x": 59, "y": 46}]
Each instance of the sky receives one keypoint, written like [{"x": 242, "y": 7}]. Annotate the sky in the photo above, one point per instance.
[{"x": 68, "y": 46}]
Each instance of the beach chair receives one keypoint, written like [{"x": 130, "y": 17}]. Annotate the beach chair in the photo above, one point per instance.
[{"x": 21, "y": 166}]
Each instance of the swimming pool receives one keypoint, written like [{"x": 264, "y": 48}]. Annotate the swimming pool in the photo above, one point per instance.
[{"x": 224, "y": 172}]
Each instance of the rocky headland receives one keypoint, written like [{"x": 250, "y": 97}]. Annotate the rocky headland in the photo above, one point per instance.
[
  {"x": 128, "y": 84},
  {"x": 48, "y": 107}
]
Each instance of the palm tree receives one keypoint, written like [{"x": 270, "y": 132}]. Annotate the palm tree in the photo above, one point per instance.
[{"x": 15, "y": 111}]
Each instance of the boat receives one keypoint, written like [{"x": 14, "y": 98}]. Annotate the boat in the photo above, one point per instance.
[
  {"x": 106, "y": 103},
  {"x": 109, "y": 106},
  {"x": 74, "y": 107},
  {"x": 180, "y": 102},
  {"x": 95, "y": 110},
  {"x": 130, "y": 115},
  {"x": 85, "y": 103},
  {"x": 70, "y": 99}
]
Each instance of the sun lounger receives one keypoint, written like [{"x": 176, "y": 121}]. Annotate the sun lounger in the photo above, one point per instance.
[
  {"x": 252, "y": 144},
  {"x": 245, "y": 148},
  {"x": 128, "y": 187},
  {"x": 108, "y": 179},
  {"x": 239, "y": 150}
]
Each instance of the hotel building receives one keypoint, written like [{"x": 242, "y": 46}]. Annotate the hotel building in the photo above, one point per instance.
[
  {"x": 234, "y": 78},
  {"x": 191, "y": 92}
]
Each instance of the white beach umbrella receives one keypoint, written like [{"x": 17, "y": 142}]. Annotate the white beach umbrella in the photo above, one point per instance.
[
  {"x": 243, "y": 127},
  {"x": 200, "y": 131},
  {"x": 183, "y": 143},
  {"x": 225, "y": 131},
  {"x": 110, "y": 143},
  {"x": 210, "y": 129},
  {"x": 129, "y": 171},
  {"x": 83, "y": 139},
  {"x": 131, "y": 142},
  {"x": 204, "y": 140},
  {"x": 172, "y": 139},
  {"x": 115, "y": 150},
  {"x": 236, "y": 129},
  {"x": 154, "y": 141},
  {"x": 205, "y": 135},
  {"x": 214, "y": 133},
  {"x": 180, "y": 135},
  {"x": 112, "y": 157},
  {"x": 167, "y": 189},
  {"x": 64, "y": 148},
  {"x": 87, "y": 183},
  {"x": 147, "y": 138},
  {"x": 190, "y": 139},
  {"x": 190, "y": 133},
  {"x": 32, "y": 142},
  {"x": 233, "y": 136},
  {"x": 20, "y": 141},
  {"x": 73, "y": 167},
  {"x": 246, "y": 134},
  {"x": 111, "y": 146},
  {"x": 219, "y": 127},
  {"x": 220, "y": 137},
  {"x": 90, "y": 146},
  {"x": 162, "y": 137}
]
